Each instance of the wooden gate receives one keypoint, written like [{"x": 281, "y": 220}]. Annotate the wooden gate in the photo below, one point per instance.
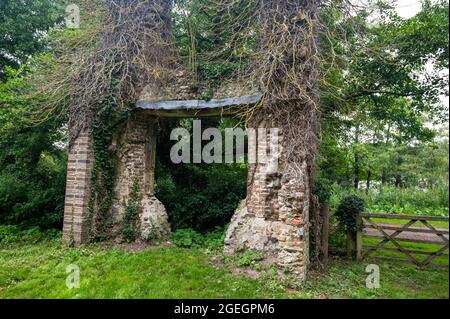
[
  {"x": 396, "y": 234},
  {"x": 390, "y": 233}
]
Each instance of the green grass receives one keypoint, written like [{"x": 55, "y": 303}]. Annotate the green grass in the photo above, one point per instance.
[
  {"x": 368, "y": 241},
  {"x": 38, "y": 270},
  {"x": 439, "y": 224}
]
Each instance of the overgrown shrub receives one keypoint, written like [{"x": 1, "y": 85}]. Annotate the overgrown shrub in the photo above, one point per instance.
[
  {"x": 189, "y": 238},
  {"x": 348, "y": 211},
  {"x": 201, "y": 197},
  {"x": 388, "y": 199},
  {"x": 10, "y": 234}
]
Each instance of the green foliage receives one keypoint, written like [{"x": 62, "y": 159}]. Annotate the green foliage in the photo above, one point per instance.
[
  {"x": 249, "y": 258},
  {"x": 322, "y": 189},
  {"x": 189, "y": 238},
  {"x": 13, "y": 235},
  {"x": 198, "y": 196},
  {"x": 23, "y": 27},
  {"x": 201, "y": 197},
  {"x": 206, "y": 37},
  {"x": 348, "y": 212},
  {"x": 32, "y": 161},
  {"x": 132, "y": 208},
  {"x": 409, "y": 201},
  {"x": 375, "y": 103}
]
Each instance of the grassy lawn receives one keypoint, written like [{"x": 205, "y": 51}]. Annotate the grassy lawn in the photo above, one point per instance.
[
  {"x": 39, "y": 271},
  {"x": 441, "y": 260},
  {"x": 438, "y": 224}
]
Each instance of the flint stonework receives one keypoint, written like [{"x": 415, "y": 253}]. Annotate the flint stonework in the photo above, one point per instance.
[{"x": 273, "y": 219}]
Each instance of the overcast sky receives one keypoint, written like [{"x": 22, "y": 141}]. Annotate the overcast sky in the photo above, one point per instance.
[{"x": 408, "y": 8}]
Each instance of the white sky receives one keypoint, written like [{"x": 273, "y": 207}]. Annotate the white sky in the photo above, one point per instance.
[{"x": 408, "y": 8}]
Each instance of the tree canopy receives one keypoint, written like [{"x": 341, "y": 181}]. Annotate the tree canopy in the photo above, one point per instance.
[{"x": 23, "y": 28}]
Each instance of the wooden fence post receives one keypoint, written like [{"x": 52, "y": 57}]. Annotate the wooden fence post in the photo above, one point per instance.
[
  {"x": 354, "y": 241},
  {"x": 325, "y": 233},
  {"x": 350, "y": 243},
  {"x": 359, "y": 237}
]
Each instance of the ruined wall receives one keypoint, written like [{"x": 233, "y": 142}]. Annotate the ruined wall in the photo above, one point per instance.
[
  {"x": 274, "y": 218},
  {"x": 136, "y": 147},
  {"x": 181, "y": 87},
  {"x": 79, "y": 172}
]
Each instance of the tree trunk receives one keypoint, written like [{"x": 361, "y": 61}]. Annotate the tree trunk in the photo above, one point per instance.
[
  {"x": 369, "y": 177},
  {"x": 356, "y": 172},
  {"x": 398, "y": 181}
]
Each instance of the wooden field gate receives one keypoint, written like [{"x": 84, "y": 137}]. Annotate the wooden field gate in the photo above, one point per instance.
[{"x": 391, "y": 233}]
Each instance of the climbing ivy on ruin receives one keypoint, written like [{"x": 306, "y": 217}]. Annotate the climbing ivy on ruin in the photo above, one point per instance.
[
  {"x": 132, "y": 208},
  {"x": 97, "y": 76},
  {"x": 105, "y": 125},
  {"x": 125, "y": 44}
]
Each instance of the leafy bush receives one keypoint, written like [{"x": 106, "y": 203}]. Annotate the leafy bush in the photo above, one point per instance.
[
  {"x": 33, "y": 196},
  {"x": 189, "y": 238},
  {"x": 322, "y": 189},
  {"x": 249, "y": 258},
  {"x": 10, "y": 234},
  {"x": 201, "y": 197},
  {"x": 32, "y": 162},
  {"x": 348, "y": 210},
  {"x": 129, "y": 223},
  {"x": 410, "y": 201},
  {"x": 214, "y": 239}
]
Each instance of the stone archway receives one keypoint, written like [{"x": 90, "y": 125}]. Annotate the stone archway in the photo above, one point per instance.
[{"x": 272, "y": 219}]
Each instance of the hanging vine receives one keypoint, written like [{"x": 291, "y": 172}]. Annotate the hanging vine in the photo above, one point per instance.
[{"x": 264, "y": 44}]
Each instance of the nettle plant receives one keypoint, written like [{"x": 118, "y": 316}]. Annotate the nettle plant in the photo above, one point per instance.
[{"x": 348, "y": 211}]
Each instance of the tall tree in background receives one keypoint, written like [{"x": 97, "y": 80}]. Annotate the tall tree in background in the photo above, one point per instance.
[
  {"x": 383, "y": 83},
  {"x": 32, "y": 159},
  {"x": 23, "y": 26}
]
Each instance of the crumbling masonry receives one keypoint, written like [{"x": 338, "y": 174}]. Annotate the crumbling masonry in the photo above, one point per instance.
[{"x": 272, "y": 219}]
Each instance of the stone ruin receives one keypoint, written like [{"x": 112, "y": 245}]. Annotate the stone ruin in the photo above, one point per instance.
[{"x": 273, "y": 219}]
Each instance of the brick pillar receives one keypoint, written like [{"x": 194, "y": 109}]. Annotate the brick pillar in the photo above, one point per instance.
[
  {"x": 79, "y": 172},
  {"x": 136, "y": 148},
  {"x": 274, "y": 218}
]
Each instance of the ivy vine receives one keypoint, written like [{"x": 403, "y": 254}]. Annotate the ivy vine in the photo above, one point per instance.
[
  {"x": 108, "y": 118},
  {"x": 129, "y": 222},
  {"x": 348, "y": 211}
]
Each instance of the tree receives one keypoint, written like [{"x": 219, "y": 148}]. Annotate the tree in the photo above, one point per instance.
[
  {"x": 23, "y": 27},
  {"x": 32, "y": 161},
  {"x": 379, "y": 89}
]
